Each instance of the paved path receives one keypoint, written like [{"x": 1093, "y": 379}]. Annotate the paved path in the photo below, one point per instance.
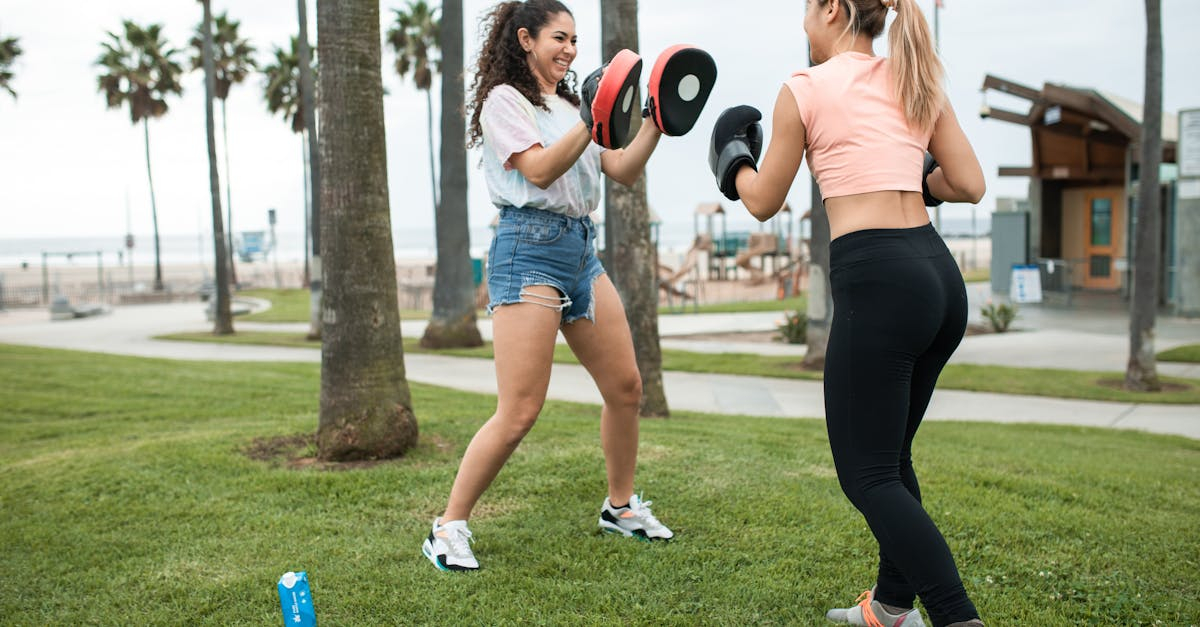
[{"x": 128, "y": 331}]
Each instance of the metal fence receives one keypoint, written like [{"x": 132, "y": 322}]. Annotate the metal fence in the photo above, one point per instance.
[
  {"x": 1059, "y": 278},
  {"x": 112, "y": 293}
]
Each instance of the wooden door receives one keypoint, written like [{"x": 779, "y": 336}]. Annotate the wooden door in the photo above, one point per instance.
[{"x": 1100, "y": 242}]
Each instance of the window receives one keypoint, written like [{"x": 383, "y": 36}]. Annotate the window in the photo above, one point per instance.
[{"x": 1101, "y": 222}]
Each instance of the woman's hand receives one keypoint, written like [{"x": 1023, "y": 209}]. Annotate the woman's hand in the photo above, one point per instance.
[{"x": 626, "y": 165}]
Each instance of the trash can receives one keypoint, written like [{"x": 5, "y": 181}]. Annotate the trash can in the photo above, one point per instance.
[{"x": 476, "y": 271}]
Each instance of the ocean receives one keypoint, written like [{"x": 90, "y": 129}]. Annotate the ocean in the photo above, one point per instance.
[{"x": 415, "y": 244}]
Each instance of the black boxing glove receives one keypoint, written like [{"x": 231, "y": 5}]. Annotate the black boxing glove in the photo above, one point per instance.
[
  {"x": 736, "y": 141},
  {"x": 930, "y": 165},
  {"x": 587, "y": 93}
]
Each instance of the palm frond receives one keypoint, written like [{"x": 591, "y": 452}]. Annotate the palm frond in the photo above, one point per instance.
[
  {"x": 281, "y": 85},
  {"x": 138, "y": 69},
  {"x": 233, "y": 55},
  {"x": 413, "y": 37}
]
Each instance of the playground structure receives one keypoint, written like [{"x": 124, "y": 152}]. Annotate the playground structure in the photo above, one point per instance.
[
  {"x": 719, "y": 266},
  {"x": 770, "y": 256},
  {"x": 61, "y": 307}
]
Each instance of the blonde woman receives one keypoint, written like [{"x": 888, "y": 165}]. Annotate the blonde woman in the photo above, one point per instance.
[{"x": 899, "y": 303}]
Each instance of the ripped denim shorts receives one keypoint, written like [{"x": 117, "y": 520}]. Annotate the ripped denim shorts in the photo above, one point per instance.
[{"x": 536, "y": 247}]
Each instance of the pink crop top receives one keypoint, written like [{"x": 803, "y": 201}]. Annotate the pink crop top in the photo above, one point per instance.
[{"x": 858, "y": 139}]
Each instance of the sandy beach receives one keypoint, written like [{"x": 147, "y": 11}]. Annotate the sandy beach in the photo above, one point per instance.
[{"x": 82, "y": 281}]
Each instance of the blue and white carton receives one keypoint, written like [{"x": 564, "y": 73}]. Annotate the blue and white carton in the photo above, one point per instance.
[{"x": 296, "y": 600}]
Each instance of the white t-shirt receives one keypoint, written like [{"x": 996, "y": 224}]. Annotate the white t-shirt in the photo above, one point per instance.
[{"x": 510, "y": 125}]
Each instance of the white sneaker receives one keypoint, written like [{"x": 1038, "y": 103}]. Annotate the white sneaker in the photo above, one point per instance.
[
  {"x": 634, "y": 519},
  {"x": 869, "y": 612},
  {"x": 449, "y": 546}
]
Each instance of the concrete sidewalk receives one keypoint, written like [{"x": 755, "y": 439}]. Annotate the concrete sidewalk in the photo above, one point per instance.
[{"x": 128, "y": 331}]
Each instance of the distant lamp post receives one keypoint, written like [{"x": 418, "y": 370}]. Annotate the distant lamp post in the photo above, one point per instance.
[
  {"x": 274, "y": 246},
  {"x": 129, "y": 254}
]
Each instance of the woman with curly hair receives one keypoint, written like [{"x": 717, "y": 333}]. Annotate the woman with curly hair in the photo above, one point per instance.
[{"x": 544, "y": 174}]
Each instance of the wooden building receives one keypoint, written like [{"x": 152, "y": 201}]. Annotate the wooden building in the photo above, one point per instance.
[{"x": 1083, "y": 174}]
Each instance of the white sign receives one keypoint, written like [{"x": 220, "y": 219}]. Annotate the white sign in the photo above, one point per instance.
[
  {"x": 1026, "y": 284},
  {"x": 1189, "y": 142},
  {"x": 1188, "y": 189}
]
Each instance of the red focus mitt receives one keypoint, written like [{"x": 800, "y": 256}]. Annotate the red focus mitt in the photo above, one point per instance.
[
  {"x": 609, "y": 99},
  {"x": 682, "y": 78}
]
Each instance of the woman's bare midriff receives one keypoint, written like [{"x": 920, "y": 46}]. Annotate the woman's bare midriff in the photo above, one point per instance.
[{"x": 875, "y": 210}]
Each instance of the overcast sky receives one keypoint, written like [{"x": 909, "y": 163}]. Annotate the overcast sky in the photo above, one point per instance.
[{"x": 70, "y": 167}]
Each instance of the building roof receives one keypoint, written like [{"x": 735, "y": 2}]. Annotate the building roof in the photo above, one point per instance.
[
  {"x": 1121, "y": 114},
  {"x": 1078, "y": 133}
]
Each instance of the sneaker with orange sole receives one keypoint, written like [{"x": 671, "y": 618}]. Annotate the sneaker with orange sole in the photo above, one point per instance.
[{"x": 870, "y": 613}]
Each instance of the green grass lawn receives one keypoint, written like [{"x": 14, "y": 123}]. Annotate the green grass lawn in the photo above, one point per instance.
[
  {"x": 1187, "y": 353},
  {"x": 794, "y": 303},
  {"x": 129, "y": 499},
  {"x": 292, "y": 305},
  {"x": 977, "y": 275},
  {"x": 1074, "y": 384}
]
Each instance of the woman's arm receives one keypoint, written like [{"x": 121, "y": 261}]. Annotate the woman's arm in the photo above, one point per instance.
[
  {"x": 958, "y": 177},
  {"x": 763, "y": 192},
  {"x": 542, "y": 165},
  {"x": 625, "y": 165}
]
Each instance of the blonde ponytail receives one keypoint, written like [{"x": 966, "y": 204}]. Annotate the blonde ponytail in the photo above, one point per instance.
[{"x": 916, "y": 69}]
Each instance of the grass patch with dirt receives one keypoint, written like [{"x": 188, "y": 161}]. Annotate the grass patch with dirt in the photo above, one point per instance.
[{"x": 138, "y": 491}]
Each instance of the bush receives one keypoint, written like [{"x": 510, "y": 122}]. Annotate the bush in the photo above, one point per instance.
[
  {"x": 794, "y": 327},
  {"x": 1001, "y": 315}
]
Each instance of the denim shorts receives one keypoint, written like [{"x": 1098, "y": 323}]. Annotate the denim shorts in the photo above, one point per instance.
[{"x": 536, "y": 247}]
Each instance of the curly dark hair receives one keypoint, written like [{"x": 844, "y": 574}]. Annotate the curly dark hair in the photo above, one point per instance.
[{"x": 502, "y": 60}]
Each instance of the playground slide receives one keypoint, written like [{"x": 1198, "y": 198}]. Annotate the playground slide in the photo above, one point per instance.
[
  {"x": 690, "y": 261},
  {"x": 759, "y": 244}
]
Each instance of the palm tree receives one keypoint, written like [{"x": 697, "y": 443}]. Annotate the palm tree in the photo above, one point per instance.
[
  {"x": 1141, "y": 373},
  {"x": 222, "y": 317},
  {"x": 366, "y": 407},
  {"x": 308, "y": 104},
  {"x": 414, "y": 38},
  {"x": 820, "y": 293},
  {"x": 9, "y": 51},
  {"x": 453, "y": 323},
  {"x": 139, "y": 70},
  {"x": 632, "y": 260},
  {"x": 233, "y": 60},
  {"x": 281, "y": 89}
]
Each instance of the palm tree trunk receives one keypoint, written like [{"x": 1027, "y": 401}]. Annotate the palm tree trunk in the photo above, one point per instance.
[
  {"x": 366, "y": 407},
  {"x": 630, "y": 253},
  {"x": 158, "y": 282},
  {"x": 1141, "y": 373},
  {"x": 453, "y": 322},
  {"x": 307, "y": 207},
  {"x": 233, "y": 280},
  {"x": 820, "y": 294},
  {"x": 429, "y": 136},
  {"x": 222, "y": 317},
  {"x": 308, "y": 109}
]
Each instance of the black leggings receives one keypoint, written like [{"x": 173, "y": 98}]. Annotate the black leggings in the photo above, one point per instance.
[{"x": 899, "y": 311}]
